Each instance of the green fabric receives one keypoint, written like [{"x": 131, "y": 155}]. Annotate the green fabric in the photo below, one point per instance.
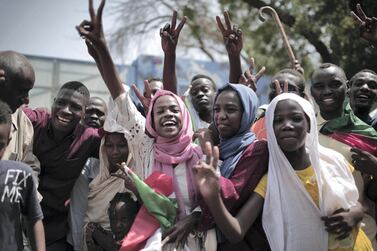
[
  {"x": 349, "y": 122},
  {"x": 158, "y": 205}
]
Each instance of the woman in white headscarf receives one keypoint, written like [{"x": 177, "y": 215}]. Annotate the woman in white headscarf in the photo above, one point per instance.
[
  {"x": 309, "y": 198},
  {"x": 113, "y": 151}
]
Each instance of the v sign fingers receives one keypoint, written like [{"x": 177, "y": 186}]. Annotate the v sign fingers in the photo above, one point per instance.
[{"x": 170, "y": 34}]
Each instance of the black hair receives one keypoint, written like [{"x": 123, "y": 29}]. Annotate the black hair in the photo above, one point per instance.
[
  {"x": 354, "y": 77},
  {"x": 325, "y": 66},
  {"x": 76, "y": 86},
  {"x": 5, "y": 113},
  {"x": 198, "y": 76},
  {"x": 301, "y": 83},
  {"x": 131, "y": 205},
  {"x": 154, "y": 79}
]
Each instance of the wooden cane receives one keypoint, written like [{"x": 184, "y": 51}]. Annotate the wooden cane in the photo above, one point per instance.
[{"x": 268, "y": 9}]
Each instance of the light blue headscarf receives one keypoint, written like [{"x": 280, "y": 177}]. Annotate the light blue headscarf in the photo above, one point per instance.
[{"x": 231, "y": 149}]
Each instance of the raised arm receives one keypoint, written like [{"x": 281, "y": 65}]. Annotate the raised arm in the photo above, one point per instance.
[
  {"x": 92, "y": 32},
  {"x": 233, "y": 43},
  {"x": 169, "y": 40}
]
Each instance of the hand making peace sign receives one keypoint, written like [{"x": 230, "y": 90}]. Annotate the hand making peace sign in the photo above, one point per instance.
[
  {"x": 232, "y": 35},
  {"x": 368, "y": 25},
  {"x": 169, "y": 34}
]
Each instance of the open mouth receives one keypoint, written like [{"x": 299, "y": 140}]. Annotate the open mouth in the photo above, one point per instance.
[
  {"x": 328, "y": 101},
  {"x": 169, "y": 123},
  {"x": 63, "y": 120},
  {"x": 363, "y": 97}
]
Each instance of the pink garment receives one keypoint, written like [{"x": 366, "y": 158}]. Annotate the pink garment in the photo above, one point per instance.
[{"x": 169, "y": 152}]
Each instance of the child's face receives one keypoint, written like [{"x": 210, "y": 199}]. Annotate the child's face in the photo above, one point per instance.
[
  {"x": 121, "y": 220},
  {"x": 290, "y": 125},
  {"x": 227, "y": 113},
  {"x": 4, "y": 138}
]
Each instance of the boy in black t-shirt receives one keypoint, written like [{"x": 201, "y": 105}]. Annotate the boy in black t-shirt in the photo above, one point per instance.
[{"x": 18, "y": 195}]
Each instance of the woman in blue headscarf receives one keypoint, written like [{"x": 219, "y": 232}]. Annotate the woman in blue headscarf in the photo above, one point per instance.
[{"x": 244, "y": 158}]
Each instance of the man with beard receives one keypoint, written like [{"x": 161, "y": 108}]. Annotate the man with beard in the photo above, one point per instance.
[{"x": 62, "y": 145}]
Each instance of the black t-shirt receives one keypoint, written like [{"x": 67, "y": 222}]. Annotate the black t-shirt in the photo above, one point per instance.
[{"x": 18, "y": 195}]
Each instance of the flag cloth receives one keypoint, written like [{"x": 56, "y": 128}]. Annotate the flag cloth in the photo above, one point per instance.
[
  {"x": 352, "y": 131},
  {"x": 161, "y": 207},
  {"x": 156, "y": 211},
  {"x": 350, "y": 123}
]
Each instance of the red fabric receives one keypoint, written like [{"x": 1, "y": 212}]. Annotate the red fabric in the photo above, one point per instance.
[
  {"x": 145, "y": 224},
  {"x": 236, "y": 190},
  {"x": 259, "y": 129},
  {"x": 357, "y": 141}
]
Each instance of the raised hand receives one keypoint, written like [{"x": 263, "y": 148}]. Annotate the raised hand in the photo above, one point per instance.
[
  {"x": 232, "y": 35},
  {"x": 278, "y": 87},
  {"x": 92, "y": 31},
  {"x": 128, "y": 183},
  {"x": 146, "y": 98},
  {"x": 367, "y": 25},
  {"x": 205, "y": 173},
  {"x": 169, "y": 34},
  {"x": 249, "y": 79}
]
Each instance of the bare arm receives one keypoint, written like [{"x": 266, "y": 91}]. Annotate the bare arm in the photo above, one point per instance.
[
  {"x": 233, "y": 43},
  {"x": 169, "y": 40},
  {"x": 92, "y": 32},
  {"x": 39, "y": 235}
]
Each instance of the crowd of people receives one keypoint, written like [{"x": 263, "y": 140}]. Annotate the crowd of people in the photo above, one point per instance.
[{"x": 208, "y": 170}]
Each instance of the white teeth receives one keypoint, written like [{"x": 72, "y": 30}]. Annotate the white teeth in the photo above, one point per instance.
[
  {"x": 64, "y": 120},
  {"x": 328, "y": 100},
  {"x": 168, "y": 123}
]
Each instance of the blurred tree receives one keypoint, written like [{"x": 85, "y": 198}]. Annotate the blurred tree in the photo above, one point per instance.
[{"x": 319, "y": 31}]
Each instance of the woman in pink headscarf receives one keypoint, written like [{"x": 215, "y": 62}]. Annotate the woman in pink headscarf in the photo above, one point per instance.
[
  {"x": 165, "y": 146},
  {"x": 161, "y": 142}
]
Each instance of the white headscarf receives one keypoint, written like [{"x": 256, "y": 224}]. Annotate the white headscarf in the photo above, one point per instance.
[
  {"x": 291, "y": 219},
  {"x": 104, "y": 187}
]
